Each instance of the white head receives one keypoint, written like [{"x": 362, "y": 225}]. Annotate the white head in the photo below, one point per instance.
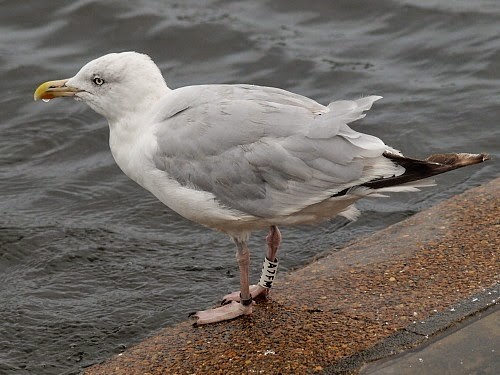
[{"x": 112, "y": 85}]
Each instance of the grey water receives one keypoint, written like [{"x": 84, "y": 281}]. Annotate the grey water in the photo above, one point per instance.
[{"x": 90, "y": 263}]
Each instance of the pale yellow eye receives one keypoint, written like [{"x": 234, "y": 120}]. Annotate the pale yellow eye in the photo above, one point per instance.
[{"x": 98, "y": 81}]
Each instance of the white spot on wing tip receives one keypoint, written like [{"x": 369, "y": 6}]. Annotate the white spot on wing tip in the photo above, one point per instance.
[{"x": 350, "y": 213}]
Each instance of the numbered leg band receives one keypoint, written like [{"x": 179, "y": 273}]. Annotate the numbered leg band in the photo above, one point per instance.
[{"x": 268, "y": 274}]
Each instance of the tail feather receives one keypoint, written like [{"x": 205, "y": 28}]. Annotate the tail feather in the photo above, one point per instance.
[{"x": 419, "y": 169}]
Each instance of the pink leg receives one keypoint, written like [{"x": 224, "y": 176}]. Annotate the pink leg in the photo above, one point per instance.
[
  {"x": 273, "y": 241},
  {"x": 243, "y": 258},
  {"x": 234, "y": 309}
]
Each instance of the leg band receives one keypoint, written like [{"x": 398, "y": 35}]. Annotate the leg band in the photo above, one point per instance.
[
  {"x": 246, "y": 302},
  {"x": 268, "y": 274}
]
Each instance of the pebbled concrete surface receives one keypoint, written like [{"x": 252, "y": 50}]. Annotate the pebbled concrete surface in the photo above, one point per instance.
[
  {"x": 470, "y": 348},
  {"x": 387, "y": 293}
]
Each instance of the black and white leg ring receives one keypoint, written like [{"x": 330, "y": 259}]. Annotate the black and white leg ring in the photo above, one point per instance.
[{"x": 268, "y": 274}]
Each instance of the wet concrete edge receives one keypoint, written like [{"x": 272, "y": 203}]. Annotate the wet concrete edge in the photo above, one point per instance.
[{"x": 487, "y": 302}]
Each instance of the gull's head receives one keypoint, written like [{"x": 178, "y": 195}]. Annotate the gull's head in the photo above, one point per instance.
[{"x": 112, "y": 85}]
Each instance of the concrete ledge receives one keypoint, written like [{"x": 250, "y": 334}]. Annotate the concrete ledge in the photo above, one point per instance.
[{"x": 379, "y": 296}]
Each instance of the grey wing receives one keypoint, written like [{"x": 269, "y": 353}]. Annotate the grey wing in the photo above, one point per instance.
[{"x": 265, "y": 157}]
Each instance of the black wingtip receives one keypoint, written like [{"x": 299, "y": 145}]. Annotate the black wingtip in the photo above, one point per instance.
[{"x": 416, "y": 169}]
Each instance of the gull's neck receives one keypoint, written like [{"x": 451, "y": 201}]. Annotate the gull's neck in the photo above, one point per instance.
[
  {"x": 136, "y": 102},
  {"x": 131, "y": 128}
]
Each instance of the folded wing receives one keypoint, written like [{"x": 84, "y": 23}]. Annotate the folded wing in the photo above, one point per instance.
[{"x": 264, "y": 151}]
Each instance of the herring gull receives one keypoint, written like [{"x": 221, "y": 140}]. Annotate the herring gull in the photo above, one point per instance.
[{"x": 237, "y": 158}]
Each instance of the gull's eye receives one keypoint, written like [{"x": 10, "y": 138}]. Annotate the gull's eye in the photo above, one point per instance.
[{"x": 98, "y": 81}]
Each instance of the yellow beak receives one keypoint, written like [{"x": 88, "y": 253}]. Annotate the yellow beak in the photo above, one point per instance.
[{"x": 53, "y": 89}]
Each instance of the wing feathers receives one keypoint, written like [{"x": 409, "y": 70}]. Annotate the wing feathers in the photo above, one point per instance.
[{"x": 265, "y": 151}]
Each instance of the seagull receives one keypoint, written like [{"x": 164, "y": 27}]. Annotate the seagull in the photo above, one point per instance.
[{"x": 238, "y": 158}]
